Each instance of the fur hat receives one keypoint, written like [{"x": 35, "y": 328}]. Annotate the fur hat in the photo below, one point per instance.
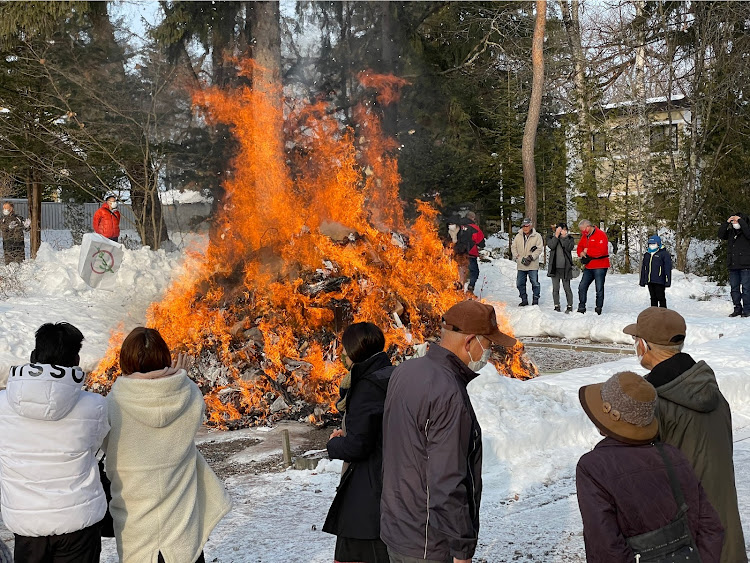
[{"x": 622, "y": 407}]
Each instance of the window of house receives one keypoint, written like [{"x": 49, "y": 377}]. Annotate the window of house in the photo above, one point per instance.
[{"x": 663, "y": 138}]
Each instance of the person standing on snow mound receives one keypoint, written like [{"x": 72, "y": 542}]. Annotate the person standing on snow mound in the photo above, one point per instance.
[
  {"x": 594, "y": 254},
  {"x": 624, "y": 486},
  {"x": 525, "y": 250},
  {"x": 107, "y": 219},
  {"x": 656, "y": 271},
  {"x": 470, "y": 240},
  {"x": 736, "y": 231},
  {"x": 693, "y": 415},
  {"x": 12, "y": 227},
  {"x": 50, "y": 431},
  {"x": 432, "y": 443}
]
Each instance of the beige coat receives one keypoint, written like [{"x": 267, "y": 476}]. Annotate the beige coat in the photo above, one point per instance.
[
  {"x": 165, "y": 497},
  {"x": 520, "y": 249}
]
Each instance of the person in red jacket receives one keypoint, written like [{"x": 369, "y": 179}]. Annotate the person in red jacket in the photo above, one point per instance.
[
  {"x": 107, "y": 219},
  {"x": 593, "y": 250},
  {"x": 469, "y": 241}
]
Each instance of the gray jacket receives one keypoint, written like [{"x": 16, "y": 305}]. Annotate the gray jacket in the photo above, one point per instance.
[
  {"x": 432, "y": 460},
  {"x": 564, "y": 245},
  {"x": 695, "y": 417}
]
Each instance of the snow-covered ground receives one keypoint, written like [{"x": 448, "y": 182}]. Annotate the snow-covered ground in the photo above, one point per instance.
[{"x": 534, "y": 431}]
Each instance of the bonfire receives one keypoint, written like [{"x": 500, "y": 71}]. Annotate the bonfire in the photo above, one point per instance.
[{"x": 311, "y": 237}]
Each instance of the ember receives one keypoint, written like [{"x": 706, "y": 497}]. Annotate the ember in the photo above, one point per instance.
[{"x": 309, "y": 240}]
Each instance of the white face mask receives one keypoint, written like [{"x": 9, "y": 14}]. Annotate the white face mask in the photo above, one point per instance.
[
  {"x": 483, "y": 359},
  {"x": 6, "y": 212},
  {"x": 653, "y": 246},
  {"x": 637, "y": 350},
  {"x": 736, "y": 226},
  {"x": 113, "y": 205}
]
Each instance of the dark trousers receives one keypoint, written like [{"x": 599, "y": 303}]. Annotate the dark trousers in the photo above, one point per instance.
[
  {"x": 556, "y": 279},
  {"x": 533, "y": 277},
  {"x": 201, "y": 558},
  {"x": 83, "y": 546},
  {"x": 658, "y": 298},
  {"x": 350, "y": 550},
  {"x": 739, "y": 281},
  {"x": 473, "y": 272},
  {"x": 596, "y": 275}
]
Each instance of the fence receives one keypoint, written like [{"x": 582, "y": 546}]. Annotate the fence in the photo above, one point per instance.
[{"x": 178, "y": 217}]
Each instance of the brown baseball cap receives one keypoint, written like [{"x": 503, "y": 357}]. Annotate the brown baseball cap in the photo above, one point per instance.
[
  {"x": 658, "y": 325},
  {"x": 473, "y": 317}
]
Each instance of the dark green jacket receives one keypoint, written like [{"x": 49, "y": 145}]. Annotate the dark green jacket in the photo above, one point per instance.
[{"x": 695, "y": 417}]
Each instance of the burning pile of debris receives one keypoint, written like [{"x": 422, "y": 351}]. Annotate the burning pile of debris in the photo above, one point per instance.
[{"x": 312, "y": 237}]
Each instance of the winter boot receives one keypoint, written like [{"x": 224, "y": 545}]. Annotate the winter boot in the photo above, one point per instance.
[
  {"x": 736, "y": 313},
  {"x": 598, "y": 310},
  {"x": 568, "y": 309},
  {"x": 523, "y": 303},
  {"x": 581, "y": 310},
  {"x": 557, "y": 308},
  {"x": 535, "y": 301}
]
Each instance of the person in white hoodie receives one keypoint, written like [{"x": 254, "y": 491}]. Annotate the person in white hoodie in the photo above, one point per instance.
[
  {"x": 166, "y": 500},
  {"x": 50, "y": 431}
]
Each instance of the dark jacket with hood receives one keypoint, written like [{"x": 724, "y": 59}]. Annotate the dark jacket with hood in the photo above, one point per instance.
[
  {"x": 355, "y": 511},
  {"x": 738, "y": 243},
  {"x": 695, "y": 417},
  {"x": 657, "y": 268},
  {"x": 432, "y": 460},
  {"x": 564, "y": 245},
  {"x": 623, "y": 491}
]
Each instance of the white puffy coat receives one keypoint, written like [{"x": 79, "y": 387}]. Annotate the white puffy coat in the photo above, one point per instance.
[
  {"x": 165, "y": 497},
  {"x": 50, "y": 431}
]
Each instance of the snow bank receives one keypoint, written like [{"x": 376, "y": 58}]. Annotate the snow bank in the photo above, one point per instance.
[{"x": 54, "y": 292}]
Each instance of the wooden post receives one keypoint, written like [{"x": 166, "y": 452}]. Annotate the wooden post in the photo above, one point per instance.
[{"x": 286, "y": 448}]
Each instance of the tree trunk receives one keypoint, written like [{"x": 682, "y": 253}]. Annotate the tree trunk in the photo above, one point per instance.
[
  {"x": 34, "y": 195},
  {"x": 267, "y": 48},
  {"x": 535, "y": 106},
  {"x": 587, "y": 172}
]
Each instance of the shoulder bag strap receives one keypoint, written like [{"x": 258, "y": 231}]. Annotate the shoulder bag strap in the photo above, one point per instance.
[{"x": 673, "y": 482}]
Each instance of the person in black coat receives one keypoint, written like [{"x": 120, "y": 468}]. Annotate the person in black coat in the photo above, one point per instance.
[
  {"x": 656, "y": 271},
  {"x": 354, "y": 516},
  {"x": 736, "y": 231},
  {"x": 560, "y": 264}
]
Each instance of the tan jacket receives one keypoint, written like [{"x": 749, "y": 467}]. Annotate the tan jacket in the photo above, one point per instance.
[
  {"x": 520, "y": 249},
  {"x": 165, "y": 497}
]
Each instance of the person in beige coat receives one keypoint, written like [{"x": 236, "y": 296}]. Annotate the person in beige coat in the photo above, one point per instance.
[
  {"x": 525, "y": 250},
  {"x": 166, "y": 500}
]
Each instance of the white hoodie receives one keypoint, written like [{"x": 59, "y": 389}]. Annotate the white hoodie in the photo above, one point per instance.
[{"x": 50, "y": 431}]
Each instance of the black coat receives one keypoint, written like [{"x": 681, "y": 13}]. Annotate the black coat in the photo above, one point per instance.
[
  {"x": 656, "y": 267},
  {"x": 738, "y": 249},
  {"x": 355, "y": 511},
  {"x": 624, "y": 491},
  {"x": 566, "y": 243}
]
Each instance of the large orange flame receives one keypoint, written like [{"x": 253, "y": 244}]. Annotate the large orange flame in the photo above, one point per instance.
[{"x": 311, "y": 235}]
